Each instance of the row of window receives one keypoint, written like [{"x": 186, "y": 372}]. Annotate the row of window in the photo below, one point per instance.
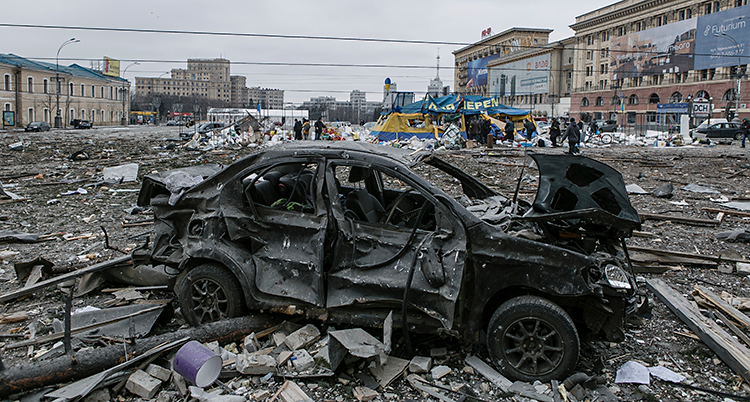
[
  {"x": 94, "y": 115},
  {"x": 686, "y": 13},
  {"x": 7, "y": 85},
  {"x": 676, "y": 97}
]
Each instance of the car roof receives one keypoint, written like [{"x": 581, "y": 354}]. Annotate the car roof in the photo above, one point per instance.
[{"x": 408, "y": 157}]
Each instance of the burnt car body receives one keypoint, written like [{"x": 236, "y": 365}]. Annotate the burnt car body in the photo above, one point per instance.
[{"x": 350, "y": 232}]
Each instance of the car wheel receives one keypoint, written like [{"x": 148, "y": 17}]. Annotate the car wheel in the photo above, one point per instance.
[
  {"x": 208, "y": 293},
  {"x": 606, "y": 139},
  {"x": 738, "y": 136},
  {"x": 530, "y": 338}
]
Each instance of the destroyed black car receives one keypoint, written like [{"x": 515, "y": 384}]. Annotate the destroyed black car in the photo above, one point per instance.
[{"x": 349, "y": 232}]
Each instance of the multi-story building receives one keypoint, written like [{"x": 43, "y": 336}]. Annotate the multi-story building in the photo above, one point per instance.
[
  {"x": 29, "y": 91},
  {"x": 210, "y": 79},
  {"x": 268, "y": 98},
  {"x": 643, "y": 61},
  {"x": 538, "y": 79},
  {"x": 520, "y": 66}
]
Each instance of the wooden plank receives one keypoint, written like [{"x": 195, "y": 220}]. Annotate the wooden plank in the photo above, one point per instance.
[
  {"x": 64, "y": 277},
  {"x": 731, "y": 351},
  {"x": 727, "y": 212},
  {"x": 489, "y": 373},
  {"x": 717, "y": 301},
  {"x": 680, "y": 219},
  {"x": 733, "y": 328},
  {"x": 686, "y": 255}
]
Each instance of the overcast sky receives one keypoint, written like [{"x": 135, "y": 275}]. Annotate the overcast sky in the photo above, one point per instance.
[{"x": 435, "y": 21}]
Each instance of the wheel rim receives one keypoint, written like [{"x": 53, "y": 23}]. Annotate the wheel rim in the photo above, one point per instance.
[
  {"x": 532, "y": 346},
  {"x": 209, "y": 300}
]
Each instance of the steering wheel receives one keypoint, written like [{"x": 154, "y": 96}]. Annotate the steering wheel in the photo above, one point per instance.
[{"x": 400, "y": 198}]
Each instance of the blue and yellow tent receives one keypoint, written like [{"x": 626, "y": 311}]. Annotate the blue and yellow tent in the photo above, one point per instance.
[{"x": 405, "y": 123}]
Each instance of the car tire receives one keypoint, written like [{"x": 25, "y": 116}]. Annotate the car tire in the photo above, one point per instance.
[
  {"x": 738, "y": 136},
  {"x": 606, "y": 139},
  {"x": 208, "y": 293},
  {"x": 530, "y": 338}
]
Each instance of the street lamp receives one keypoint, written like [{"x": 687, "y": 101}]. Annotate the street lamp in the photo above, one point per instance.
[
  {"x": 58, "y": 118},
  {"x": 124, "y": 120},
  {"x": 739, "y": 73}
]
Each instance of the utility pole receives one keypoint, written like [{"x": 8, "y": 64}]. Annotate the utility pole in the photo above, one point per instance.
[
  {"x": 58, "y": 118},
  {"x": 126, "y": 93},
  {"x": 739, "y": 73}
]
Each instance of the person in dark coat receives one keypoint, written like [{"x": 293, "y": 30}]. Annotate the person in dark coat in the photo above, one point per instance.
[
  {"x": 573, "y": 134},
  {"x": 745, "y": 129},
  {"x": 474, "y": 130},
  {"x": 319, "y": 127},
  {"x": 510, "y": 129},
  {"x": 297, "y": 130},
  {"x": 530, "y": 128},
  {"x": 485, "y": 128},
  {"x": 554, "y": 132}
]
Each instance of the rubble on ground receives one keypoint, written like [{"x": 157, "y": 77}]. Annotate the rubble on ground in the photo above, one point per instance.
[{"x": 678, "y": 244}]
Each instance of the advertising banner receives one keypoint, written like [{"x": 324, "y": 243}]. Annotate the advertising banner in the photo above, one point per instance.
[
  {"x": 523, "y": 77},
  {"x": 717, "y": 35},
  {"x": 661, "y": 50},
  {"x": 477, "y": 71},
  {"x": 111, "y": 67}
]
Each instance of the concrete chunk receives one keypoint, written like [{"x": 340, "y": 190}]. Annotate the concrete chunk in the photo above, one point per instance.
[
  {"x": 255, "y": 364},
  {"x": 420, "y": 364},
  {"x": 364, "y": 394},
  {"x": 251, "y": 343},
  {"x": 440, "y": 372},
  {"x": 302, "y": 337},
  {"x": 278, "y": 338},
  {"x": 158, "y": 372},
  {"x": 302, "y": 360},
  {"x": 142, "y": 384},
  {"x": 284, "y": 356}
]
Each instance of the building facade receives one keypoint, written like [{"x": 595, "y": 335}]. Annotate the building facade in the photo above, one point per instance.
[
  {"x": 210, "y": 79},
  {"x": 29, "y": 91},
  {"x": 520, "y": 66},
  {"x": 643, "y": 62}
]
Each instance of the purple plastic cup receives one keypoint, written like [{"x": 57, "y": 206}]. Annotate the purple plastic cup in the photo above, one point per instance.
[{"x": 197, "y": 363}]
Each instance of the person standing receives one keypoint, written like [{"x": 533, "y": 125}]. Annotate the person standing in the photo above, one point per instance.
[
  {"x": 573, "y": 134},
  {"x": 297, "y": 130},
  {"x": 554, "y": 132},
  {"x": 530, "y": 128},
  {"x": 306, "y": 128},
  {"x": 319, "y": 127},
  {"x": 745, "y": 130},
  {"x": 510, "y": 129}
]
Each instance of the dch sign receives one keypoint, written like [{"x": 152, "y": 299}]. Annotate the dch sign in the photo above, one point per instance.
[{"x": 701, "y": 109}]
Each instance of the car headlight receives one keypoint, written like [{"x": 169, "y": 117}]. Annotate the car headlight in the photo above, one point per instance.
[{"x": 616, "y": 277}]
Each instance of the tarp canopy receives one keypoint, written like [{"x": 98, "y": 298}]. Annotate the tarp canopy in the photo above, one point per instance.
[
  {"x": 404, "y": 126},
  {"x": 465, "y": 104}
]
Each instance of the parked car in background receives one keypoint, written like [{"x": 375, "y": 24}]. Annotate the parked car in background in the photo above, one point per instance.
[
  {"x": 78, "y": 123},
  {"x": 719, "y": 129},
  {"x": 172, "y": 123},
  {"x": 606, "y": 126},
  {"x": 38, "y": 126},
  {"x": 210, "y": 126},
  {"x": 349, "y": 232},
  {"x": 542, "y": 127}
]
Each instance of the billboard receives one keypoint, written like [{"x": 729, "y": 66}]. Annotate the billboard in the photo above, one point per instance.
[
  {"x": 714, "y": 48},
  {"x": 522, "y": 77},
  {"x": 111, "y": 67},
  {"x": 477, "y": 71},
  {"x": 665, "y": 49}
]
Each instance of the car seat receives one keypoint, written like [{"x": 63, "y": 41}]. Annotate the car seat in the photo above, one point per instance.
[{"x": 364, "y": 206}]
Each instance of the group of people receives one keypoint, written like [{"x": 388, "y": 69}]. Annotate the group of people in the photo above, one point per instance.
[{"x": 302, "y": 129}]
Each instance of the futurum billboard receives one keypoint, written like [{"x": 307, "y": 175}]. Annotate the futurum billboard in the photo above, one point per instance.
[
  {"x": 694, "y": 44},
  {"x": 717, "y": 34},
  {"x": 522, "y": 77}
]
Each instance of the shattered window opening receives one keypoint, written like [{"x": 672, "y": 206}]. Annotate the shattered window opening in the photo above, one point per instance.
[{"x": 287, "y": 186}]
